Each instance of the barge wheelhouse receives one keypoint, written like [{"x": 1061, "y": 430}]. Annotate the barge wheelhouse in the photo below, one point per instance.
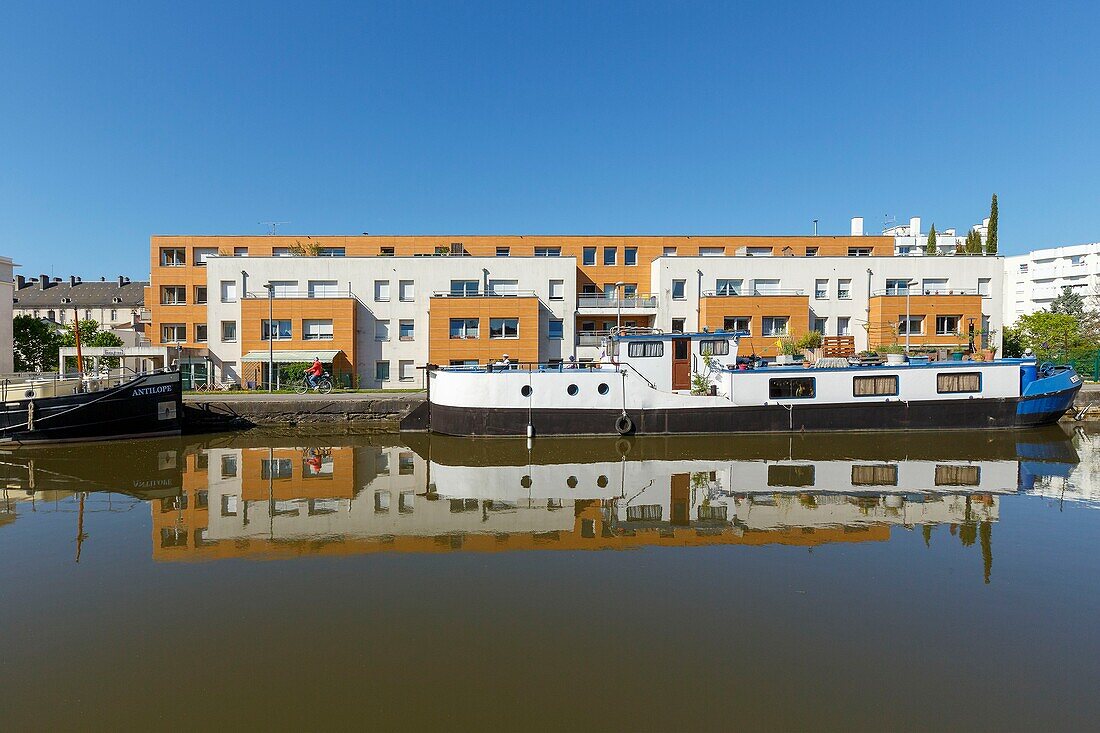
[{"x": 653, "y": 383}]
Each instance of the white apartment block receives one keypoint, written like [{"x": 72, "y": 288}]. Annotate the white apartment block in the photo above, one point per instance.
[{"x": 1033, "y": 280}]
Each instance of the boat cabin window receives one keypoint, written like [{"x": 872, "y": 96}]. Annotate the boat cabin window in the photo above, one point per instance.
[
  {"x": 959, "y": 382},
  {"x": 958, "y": 475},
  {"x": 787, "y": 388},
  {"x": 885, "y": 474},
  {"x": 875, "y": 386},
  {"x": 646, "y": 348},
  {"x": 714, "y": 347}
]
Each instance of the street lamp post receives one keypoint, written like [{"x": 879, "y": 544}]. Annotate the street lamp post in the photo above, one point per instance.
[{"x": 270, "y": 337}]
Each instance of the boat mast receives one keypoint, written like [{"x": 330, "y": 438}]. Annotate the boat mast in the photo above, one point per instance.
[{"x": 76, "y": 336}]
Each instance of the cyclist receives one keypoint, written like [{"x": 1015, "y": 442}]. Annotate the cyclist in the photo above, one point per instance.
[{"x": 315, "y": 370}]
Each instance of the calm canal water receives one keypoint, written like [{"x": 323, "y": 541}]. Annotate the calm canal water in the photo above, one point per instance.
[{"x": 836, "y": 583}]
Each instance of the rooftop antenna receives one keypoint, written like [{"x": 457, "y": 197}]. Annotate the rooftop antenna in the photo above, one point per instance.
[{"x": 274, "y": 226}]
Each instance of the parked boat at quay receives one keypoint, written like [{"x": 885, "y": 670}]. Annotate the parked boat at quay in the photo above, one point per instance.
[
  {"x": 656, "y": 383},
  {"x": 89, "y": 407}
]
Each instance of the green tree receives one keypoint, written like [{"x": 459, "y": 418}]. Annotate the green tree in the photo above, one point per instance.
[
  {"x": 930, "y": 248},
  {"x": 91, "y": 335},
  {"x": 991, "y": 235},
  {"x": 1050, "y": 335},
  {"x": 35, "y": 344},
  {"x": 1012, "y": 343},
  {"x": 1069, "y": 302},
  {"x": 973, "y": 244}
]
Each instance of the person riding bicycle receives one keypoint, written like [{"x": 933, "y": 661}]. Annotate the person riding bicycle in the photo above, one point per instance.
[{"x": 315, "y": 370}]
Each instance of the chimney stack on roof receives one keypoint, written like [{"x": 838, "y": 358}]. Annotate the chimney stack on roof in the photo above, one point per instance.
[
  {"x": 72, "y": 281},
  {"x": 20, "y": 282},
  {"x": 857, "y": 226},
  {"x": 121, "y": 281},
  {"x": 43, "y": 281}
]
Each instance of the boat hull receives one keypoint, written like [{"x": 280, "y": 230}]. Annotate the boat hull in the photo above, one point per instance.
[
  {"x": 952, "y": 414},
  {"x": 148, "y": 405}
]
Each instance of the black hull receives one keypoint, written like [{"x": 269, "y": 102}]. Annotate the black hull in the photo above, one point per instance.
[
  {"x": 969, "y": 414},
  {"x": 149, "y": 405}
]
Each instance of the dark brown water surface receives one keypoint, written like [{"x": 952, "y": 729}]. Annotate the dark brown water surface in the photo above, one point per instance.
[{"x": 886, "y": 582}]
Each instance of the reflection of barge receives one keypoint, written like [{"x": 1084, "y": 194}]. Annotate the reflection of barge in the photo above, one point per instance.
[{"x": 693, "y": 384}]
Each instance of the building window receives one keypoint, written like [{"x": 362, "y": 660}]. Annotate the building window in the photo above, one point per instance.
[
  {"x": 668, "y": 252},
  {"x": 821, "y": 289},
  {"x": 547, "y": 251},
  {"x": 859, "y": 252},
  {"x": 630, "y": 290},
  {"x": 330, "y": 251},
  {"x": 820, "y": 324},
  {"x": 173, "y": 295},
  {"x": 503, "y": 328},
  {"x": 677, "y": 325},
  {"x": 640, "y": 349},
  {"x": 947, "y": 325},
  {"x": 200, "y": 294},
  {"x": 792, "y": 388},
  {"x": 679, "y": 288},
  {"x": 504, "y": 287},
  {"x": 385, "y": 252},
  {"x": 405, "y": 329},
  {"x": 557, "y": 289},
  {"x": 897, "y": 287},
  {"x": 984, "y": 287},
  {"x": 1023, "y": 267},
  {"x": 382, "y": 330},
  {"x": 721, "y": 251},
  {"x": 317, "y": 330},
  {"x": 765, "y": 287},
  {"x": 610, "y": 255},
  {"x": 502, "y": 251},
  {"x": 280, "y": 251},
  {"x": 630, "y": 256},
  {"x": 171, "y": 257},
  {"x": 406, "y": 371},
  {"x": 588, "y": 256},
  {"x": 240, "y": 251},
  {"x": 811, "y": 251},
  {"x": 114, "y": 315},
  {"x": 280, "y": 328},
  {"x": 381, "y": 371},
  {"x": 203, "y": 253},
  {"x": 406, "y": 291},
  {"x": 322, "y": 288},
  {"x": 844, "y": 326},
  {"x": 381, "y": 291},
  {"x": 555, "y": 330},
  {"x": 229, "y": 291},
  {"x": 200, "y": 333},
  {"x": 229, "y": 331},
  {"x": 934, "y": 285},
  {"x": 464, "y": 328},
  {"x": 173, "y": 333},
  {"x": 464, "y": 288},
  {"x": 737, "y": 323},
  {"x": 229, "y": 466},
  {"x": 87, "y": 314},
  {"x": 774, "y": 325},
  {"x": 728, "y": 287},
  {"x": 885, "y": 386},
  {"x": 914, "y": 326},
  {"x": 955, "y": 383},
  {"x": 284, "y": 288},
  {"x": 844, "y": 289}
]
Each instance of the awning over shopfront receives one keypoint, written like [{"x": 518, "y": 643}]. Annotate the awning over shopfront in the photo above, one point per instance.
[{"x": 291, "y": 357}]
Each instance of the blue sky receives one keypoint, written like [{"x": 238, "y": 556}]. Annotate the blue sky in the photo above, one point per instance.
[{"x": 126, "y": 120}]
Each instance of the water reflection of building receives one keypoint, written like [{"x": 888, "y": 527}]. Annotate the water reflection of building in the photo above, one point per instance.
[
  {"x": 1076, "y": 483},
  {"x": 286, "y": 501}
]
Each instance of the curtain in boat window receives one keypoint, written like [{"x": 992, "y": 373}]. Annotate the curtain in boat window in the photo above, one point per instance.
[
  {"x": 877, "y": 385},
  {"x": 959, "y": 382}
]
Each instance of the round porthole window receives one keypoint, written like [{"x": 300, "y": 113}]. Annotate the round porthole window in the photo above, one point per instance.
[
  {"x": 602, "y": 482},
  {"x": 571, "y": 482},
  {"x": 526, "y": 391},
  {"x": 525, "y": 482},
  {"x": 602, "y": 389},
  {"x": 572, "y": 390}
]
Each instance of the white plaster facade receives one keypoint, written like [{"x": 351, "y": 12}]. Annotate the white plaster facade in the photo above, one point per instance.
[
  {"x": 1033, "y": 280},
  {"x": 7, "y": 288}
]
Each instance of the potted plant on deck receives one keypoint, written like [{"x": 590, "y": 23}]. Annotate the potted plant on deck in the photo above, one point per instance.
[
  {"x": 895, "y": 353},
  {"x": 788, "y": 350}
]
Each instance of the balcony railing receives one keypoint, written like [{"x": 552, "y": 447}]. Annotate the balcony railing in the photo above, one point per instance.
[
  {"x": 591, "y": 338},
  {"x": 610, "y": 301},
  {"x": 901, "y": 292},
  {"x": 751, "y": 292},
  {"x": 484, "y": 294},
  {"x": 316, "y": 295}
]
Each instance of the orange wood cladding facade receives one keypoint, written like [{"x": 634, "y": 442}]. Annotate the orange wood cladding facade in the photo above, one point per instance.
[
  {"x": 886, "y": 311},
  {"x": 341, "y": 311},
  {"x": 442, "y": 349},
  {"x": 645, "y": 250},
  {"x": 329, "y": 474},
  {"x": 714, "y": 309}
]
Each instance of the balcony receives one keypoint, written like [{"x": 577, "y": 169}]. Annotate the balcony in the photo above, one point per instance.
[
  {"x": 901, "y": 292},
  {"x": 484, "y": 294},
  {"x": 327, "y": 293},
  {"x": 591, "y": 338},
  {"x": 597, "y": 303},
  {"x": 751, "y": 293}
]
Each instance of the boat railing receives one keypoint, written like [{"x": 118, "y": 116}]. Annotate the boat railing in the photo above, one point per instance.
[
  {"x": 54, "y": 384},
  {"x": 529, "y": 366}
]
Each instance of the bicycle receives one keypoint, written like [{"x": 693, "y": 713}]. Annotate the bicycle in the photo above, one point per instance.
[{"x": 322, "y": 384}]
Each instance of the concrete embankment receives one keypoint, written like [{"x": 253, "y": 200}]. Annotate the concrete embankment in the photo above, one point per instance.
[
  {"x": 1087, "y": 403},
  {"x": 336, "y": 413}
]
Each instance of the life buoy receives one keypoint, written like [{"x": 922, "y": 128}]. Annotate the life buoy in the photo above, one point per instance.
[{"x": 624, "y": 425}]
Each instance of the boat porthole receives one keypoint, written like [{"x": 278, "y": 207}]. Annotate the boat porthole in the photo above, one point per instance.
[
  {"x": 525, "y": 482},
  {"x": 572, "y": 390},
  {"x": 571, "y": 482},
  {"x": 29, "y": 394},
  {"x": 602, "y": 389},
  {"x": 526, "y": 391},
  {"x": 602, "y": 482}
]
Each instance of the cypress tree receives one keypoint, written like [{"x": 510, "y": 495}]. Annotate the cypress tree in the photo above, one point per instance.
[
  {"x": 930, "y": 248},
  {"x": 991, "y": 237}
]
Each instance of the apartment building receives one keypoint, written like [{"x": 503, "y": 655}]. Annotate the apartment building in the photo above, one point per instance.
[
  {"x": 1033, "y": 280},
  {"x": 376, "y": 308}
]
